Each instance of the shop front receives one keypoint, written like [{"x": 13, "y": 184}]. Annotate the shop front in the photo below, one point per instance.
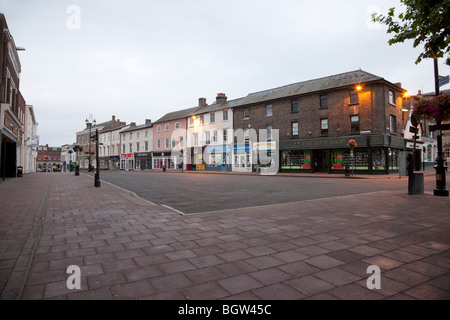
[
  {"x": 127, "y": 161},
  {"x": 163, "y": 160},
  {"x": 372, "y": 155},
  {"x": 218, "y": 158},
  {"x": 143, "y": 160},
  {"x": 242, "y": 161},
  {"x": 198, "y": 161}
]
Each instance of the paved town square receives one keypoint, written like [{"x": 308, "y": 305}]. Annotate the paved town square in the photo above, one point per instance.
[{"x": 128, "y": 247}]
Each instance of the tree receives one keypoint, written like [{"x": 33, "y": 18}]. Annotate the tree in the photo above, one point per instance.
[{"x": 424, "y": 21}]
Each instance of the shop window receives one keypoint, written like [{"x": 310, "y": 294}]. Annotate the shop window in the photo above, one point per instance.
[
  {"x": 378, "y": 159},
  {"x": 296, "y": 160},
  {"x": 324, "y": 127},
  {"x": 354, "y": 122}
]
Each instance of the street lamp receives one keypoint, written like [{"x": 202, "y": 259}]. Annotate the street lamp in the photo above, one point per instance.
[
  {"x": 97, "y": 159},
  {"x": 89, "y": 124}
]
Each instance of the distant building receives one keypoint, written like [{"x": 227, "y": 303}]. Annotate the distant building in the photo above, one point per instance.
[
  {"x": 137, "y": 141},
  {"x": 109, "y": 149},
  {"x": 169, "y": 137},
  {"x": 31, "y": 140},
  {"x": 83, "y": 138},
  {"x": 317, "y": 118},
  {"x": 48, "y": 159}
]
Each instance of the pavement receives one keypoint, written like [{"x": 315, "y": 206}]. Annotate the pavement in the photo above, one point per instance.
[{"x": 130, "y": 248}]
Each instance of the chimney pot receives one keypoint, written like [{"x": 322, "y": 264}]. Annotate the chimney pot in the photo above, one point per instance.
[{"x": 221, "y": 98}]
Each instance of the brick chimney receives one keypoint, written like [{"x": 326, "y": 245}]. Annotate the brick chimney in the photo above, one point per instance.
[
  {"x": 114, "y": 118},
  {"x": 221, "y": 98},
  {"x": 202, "y": 102},
  {"x": 133, "y": 124},
  {"x": 148, "y": 121}
]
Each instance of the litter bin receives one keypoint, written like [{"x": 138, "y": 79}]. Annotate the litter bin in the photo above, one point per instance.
[
  {"x": 19, "y": 172},
  {"x": 347, "y": 170}
]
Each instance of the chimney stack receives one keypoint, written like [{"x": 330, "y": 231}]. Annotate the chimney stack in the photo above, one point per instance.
[
  {"x": 113, "y": 118},
  {"x": 148, "y": 121},
  {"x": 202, "y": 102},
  {"x": 221, "y": 98},
  {"x": 133, "y": 124}
]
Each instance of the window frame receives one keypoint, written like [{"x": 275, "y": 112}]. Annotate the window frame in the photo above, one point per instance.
[
  {"x": 294, "y": 102},
  {"x": 322, "y": 132},
  {"x": 323, "y": 99},
  {"x": 355, "y": 127},
  {"x": 292, "y": 129}
]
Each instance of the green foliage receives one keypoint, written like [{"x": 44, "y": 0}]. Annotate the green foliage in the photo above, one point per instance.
[{"x": 425, "y": 22}]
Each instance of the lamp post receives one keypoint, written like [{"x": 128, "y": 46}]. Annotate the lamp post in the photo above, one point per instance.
[
  {"x": 441, "y": 189},
  {"x": 97, "y": 159},
  {"x": 89, "y": 124}
]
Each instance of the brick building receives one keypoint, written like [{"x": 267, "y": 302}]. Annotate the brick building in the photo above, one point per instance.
[
  {"x": 317, "y": 118},
  {"x": 12, "y": 104},
  {"x": 48, "y": 159}
]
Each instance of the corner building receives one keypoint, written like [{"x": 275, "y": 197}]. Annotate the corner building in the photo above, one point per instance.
[{"x": 316, "y": 120}]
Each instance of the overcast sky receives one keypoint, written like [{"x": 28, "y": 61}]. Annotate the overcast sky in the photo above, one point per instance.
[{"x": 139, "y": 59}]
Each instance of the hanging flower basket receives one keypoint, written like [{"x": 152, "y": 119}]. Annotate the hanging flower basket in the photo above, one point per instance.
[
  {"x": 77, "y": 148},
  {"x": 352, "y": 143},
  {"x": 437, "y": 108}
]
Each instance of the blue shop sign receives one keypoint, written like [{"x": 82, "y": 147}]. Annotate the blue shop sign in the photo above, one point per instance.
[{"x": 242, "y": 148}]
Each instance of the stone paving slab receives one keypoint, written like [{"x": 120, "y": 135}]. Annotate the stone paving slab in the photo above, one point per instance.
[{"x": 130, "y": 248}]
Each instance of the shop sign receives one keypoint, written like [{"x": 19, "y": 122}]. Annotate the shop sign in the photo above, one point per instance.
[
  {"x": 10, "y": 126},
  {"x": 241, "y": 148},
  {"x": 265, "y": 146},
  {"x": 218, "y": 149},
  {"x": 127, "y": 155}
]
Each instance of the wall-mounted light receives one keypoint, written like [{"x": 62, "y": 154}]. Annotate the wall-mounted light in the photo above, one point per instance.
[{"x": 358, "y": 87}]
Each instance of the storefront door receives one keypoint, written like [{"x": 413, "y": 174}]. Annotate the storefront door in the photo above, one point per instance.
[{"x": 320, "y": 161}]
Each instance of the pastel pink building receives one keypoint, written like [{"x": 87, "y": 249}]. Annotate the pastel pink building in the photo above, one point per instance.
[{"x": 169, "y": 138}]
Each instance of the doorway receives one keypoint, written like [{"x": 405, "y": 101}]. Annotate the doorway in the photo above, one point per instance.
[{"x": 320, "y": 161}]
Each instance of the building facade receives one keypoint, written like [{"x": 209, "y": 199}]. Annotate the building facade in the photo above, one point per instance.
[
  {"x": 31, "y": 140},
  {"x": 12, "y": 104},
  {"x": 83, "y": 138},
  {"x": 137, "y": 144},
  {"x": 210, "y": 136},
  {"x": 169, "y": 137},
  {"x": 110, "y": 148},
  {"x": 48, "y": 159},
  {"x": 316, "y": 119}
]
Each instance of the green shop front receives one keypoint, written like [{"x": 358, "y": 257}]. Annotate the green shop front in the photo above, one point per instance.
[{"x": 371, "y": 155}]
